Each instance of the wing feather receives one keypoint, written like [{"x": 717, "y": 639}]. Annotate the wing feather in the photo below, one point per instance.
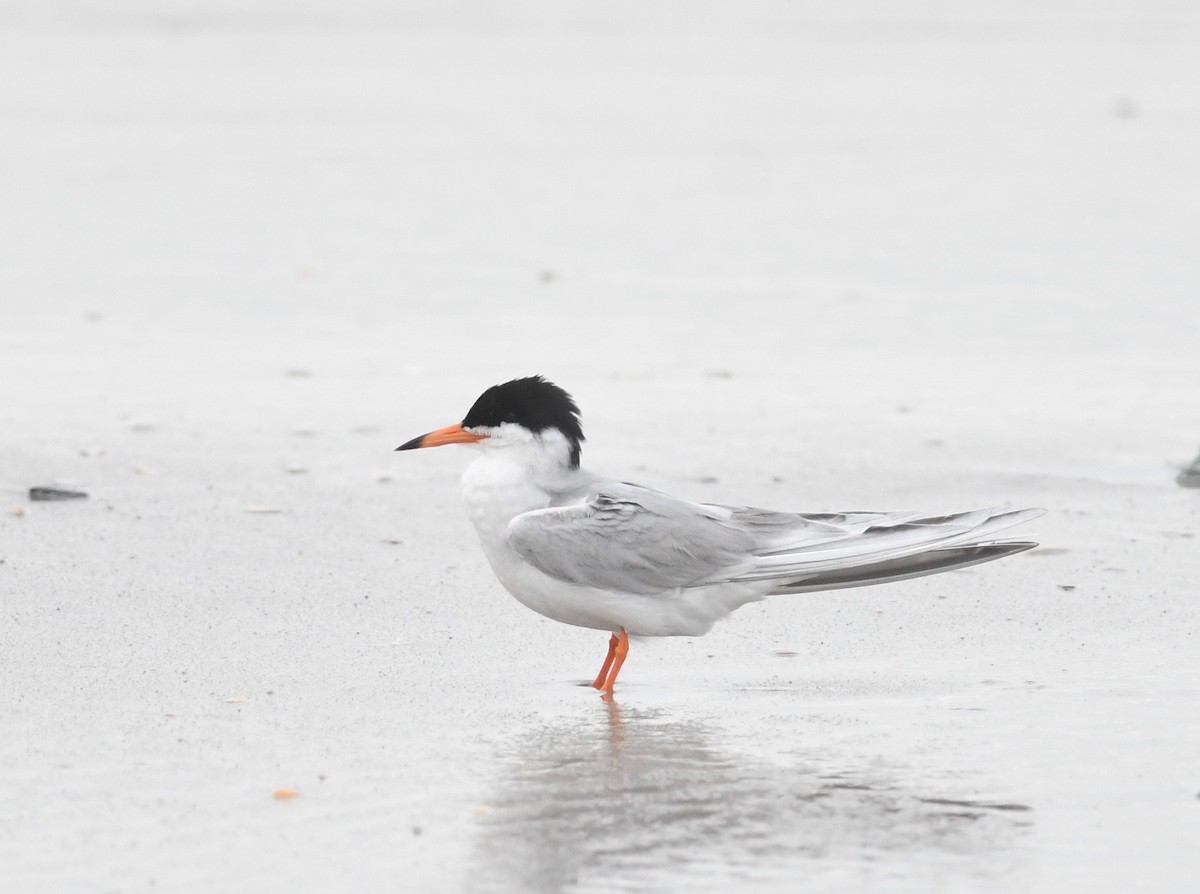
[{"x": 631, "y": 540}]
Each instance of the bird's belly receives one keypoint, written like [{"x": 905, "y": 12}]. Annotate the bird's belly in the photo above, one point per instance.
[
  {"x": 554, "y": 599},
  {"x": 683, "y": 612}
]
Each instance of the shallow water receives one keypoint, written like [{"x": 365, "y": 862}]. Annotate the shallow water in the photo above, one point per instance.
[{"x": 630, "y": 799}]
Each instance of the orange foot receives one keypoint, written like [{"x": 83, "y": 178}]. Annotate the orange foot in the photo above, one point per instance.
[
  {"x": 603, "y": 675},
  {"x": 618, "y": 648}
]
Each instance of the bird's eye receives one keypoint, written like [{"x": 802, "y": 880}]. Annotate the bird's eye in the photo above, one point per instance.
[{"x": 510, "y": 416}]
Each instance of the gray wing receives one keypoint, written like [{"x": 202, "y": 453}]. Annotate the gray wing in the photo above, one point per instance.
[
  {"x": 631, "y": 539},
  {"x": 635, "y": 540}
]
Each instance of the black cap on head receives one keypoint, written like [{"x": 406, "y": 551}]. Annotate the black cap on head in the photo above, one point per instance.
[{"x": 532, "y": 402}]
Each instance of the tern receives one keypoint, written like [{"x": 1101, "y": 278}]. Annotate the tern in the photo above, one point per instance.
[{"x": 594, "y": 552}]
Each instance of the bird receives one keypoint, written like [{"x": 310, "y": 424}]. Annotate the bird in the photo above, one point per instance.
[{"x": 599, "y": 553}]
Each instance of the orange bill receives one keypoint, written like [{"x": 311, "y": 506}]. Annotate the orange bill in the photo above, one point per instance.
[{"x": 451, "y": 434}]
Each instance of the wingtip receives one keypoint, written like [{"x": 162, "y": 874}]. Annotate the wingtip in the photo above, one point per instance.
[{"x": 1016, "y": 546}]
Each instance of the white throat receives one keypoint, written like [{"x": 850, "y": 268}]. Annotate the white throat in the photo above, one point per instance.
[{"x": 519, "y": 471}]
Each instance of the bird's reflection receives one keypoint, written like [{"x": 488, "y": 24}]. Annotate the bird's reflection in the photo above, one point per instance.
[{"x": 621, "y": 797}]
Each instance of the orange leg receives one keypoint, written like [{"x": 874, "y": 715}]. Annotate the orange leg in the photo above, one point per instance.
[
  {"x": 621, "y": 651},
  {"x": 603, "y": 675}
]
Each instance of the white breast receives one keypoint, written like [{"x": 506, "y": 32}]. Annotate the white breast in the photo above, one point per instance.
[{"x": 495, "y": 491}]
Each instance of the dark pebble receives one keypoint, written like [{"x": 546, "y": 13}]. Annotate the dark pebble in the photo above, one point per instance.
[
  {"x": 54, "y": 493},
  {"x": 1190, "y": 477}
]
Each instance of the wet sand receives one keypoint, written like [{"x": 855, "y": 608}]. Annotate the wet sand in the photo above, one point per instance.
[{"x": 802, "y": 260}]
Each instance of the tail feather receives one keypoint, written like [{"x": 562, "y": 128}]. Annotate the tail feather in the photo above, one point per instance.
[
  {"x": 798, "y": 553},
  {"x": 919, "y": 565},
  {"x": 882, "y": 542}
]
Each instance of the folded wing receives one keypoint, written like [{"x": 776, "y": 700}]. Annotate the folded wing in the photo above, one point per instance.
[
  {"x": 631, "y": 540},
  {"x": 635, "y": 540}
]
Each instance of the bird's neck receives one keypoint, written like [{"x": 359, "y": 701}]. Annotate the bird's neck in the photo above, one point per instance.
[{"x": 502, "y": 484}]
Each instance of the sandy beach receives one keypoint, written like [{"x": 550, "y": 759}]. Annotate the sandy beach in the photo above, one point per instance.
[{"x": 797, "y": 257}]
